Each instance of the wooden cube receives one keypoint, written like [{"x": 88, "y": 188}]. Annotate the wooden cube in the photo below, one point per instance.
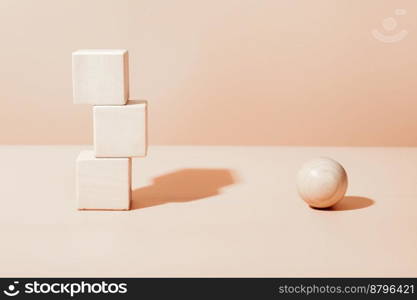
[
  {"x": 103, "y": 183},
  {"x": 100, "y": 77},
  {"x": 121, "y": 131}
]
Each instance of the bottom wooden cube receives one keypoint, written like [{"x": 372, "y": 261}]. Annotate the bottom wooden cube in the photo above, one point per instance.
[{"x": 103, "y": 183}]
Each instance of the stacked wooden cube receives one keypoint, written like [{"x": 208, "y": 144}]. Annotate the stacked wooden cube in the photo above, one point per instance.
[{"x": 101, "y": 78}]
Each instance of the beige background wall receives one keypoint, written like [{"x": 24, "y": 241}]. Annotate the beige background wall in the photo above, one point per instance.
[{"x": 268, "y": 72}]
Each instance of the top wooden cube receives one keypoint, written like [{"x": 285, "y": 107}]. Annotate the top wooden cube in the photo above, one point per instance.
[{"x": 100, "y": 77}]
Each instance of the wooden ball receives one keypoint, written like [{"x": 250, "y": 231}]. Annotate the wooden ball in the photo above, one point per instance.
[{"x": 322, "y": 182}]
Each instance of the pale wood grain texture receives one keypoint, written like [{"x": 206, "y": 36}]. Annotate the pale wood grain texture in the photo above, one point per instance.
[
  {"x": 103, "y": 183},
  {"x": 322, "y": 182},
  {"x": 121, "y": 131},
  {"x": 100, "y": 77}
]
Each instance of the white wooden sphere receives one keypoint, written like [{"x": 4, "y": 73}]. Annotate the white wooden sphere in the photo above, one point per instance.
[{"x": 322, "y": 182}]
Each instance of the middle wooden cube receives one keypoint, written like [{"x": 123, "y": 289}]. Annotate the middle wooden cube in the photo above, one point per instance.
[{"x": 120, "y": 131}]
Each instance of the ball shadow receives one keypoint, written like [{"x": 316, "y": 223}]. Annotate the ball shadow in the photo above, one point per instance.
[{"x": 351, "y": 203}]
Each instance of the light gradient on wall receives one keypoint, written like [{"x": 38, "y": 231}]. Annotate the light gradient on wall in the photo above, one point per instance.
[{"x": 272, "y": 72}]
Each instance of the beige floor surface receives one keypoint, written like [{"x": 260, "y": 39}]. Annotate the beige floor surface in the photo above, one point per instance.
[{"x": 210, "y": 211}]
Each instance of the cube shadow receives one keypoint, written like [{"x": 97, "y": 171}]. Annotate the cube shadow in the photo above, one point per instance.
[{"x": 183, "y": 185}]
